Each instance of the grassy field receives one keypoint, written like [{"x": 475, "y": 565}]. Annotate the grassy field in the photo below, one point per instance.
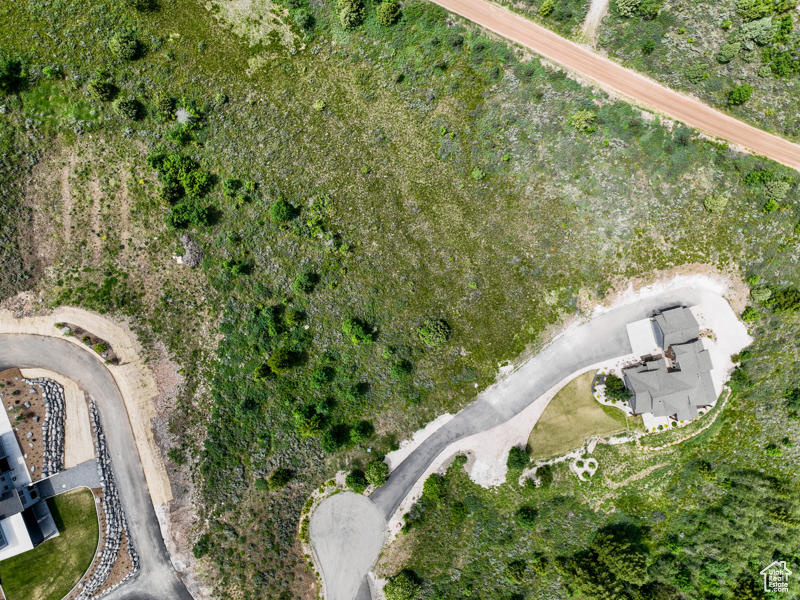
[
  {"x": 49, "y": 571},
  {"x": 572, "y": 416}
]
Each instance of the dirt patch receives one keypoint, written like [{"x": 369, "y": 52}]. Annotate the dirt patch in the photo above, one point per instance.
[
  {"x": 25, "y": 407},
  {"x": 91, "y": 341}
]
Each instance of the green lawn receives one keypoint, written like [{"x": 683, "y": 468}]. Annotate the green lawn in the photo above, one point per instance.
[
  {"x": 49, "y": 571},
  {"x": 571, "y": 417}
]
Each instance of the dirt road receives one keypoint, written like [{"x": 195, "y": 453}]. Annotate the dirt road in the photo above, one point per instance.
[{"x": 624, "y": 82}]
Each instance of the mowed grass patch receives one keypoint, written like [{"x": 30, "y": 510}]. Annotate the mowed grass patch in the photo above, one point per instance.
[
  {"x": 49, "y": 571},
  {"x": 571, "y": 417}
]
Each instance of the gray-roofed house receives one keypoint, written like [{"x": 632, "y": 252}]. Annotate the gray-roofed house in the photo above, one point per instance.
[{"x": 679, "y": 383}]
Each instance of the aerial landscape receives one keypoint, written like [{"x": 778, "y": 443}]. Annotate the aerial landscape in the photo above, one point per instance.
[{"x": 400, "y": 299}]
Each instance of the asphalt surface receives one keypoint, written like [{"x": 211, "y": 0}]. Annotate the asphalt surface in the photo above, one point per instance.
[
  {"x": 601, "y": 338},
  {"x": 613, "y": 77},
  {"x": 156, "y": 579},
  {"x": 82, "y": 475}
]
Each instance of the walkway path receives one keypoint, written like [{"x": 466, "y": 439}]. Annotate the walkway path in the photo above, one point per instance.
[
  {"x": 82, "y": 475},
  {"x": 621, "y": 81},
  {"x": 602, "y": 338},
  {"x": 156, "y": 578}
]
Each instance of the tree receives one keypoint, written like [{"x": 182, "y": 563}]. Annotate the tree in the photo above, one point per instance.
[
  {"x": 515, "y": 571},
  {"x": 526, "y": 516},
  {"x": 281, "y": 211},
  {"x": 615, "y": 389},
  {"x": 740, "y": 94},
  {"x": 387, "y": 13},
  {"x": 129, "y": 107},
  {"x": 434, "y": 332},
  {"x": 715, "y": 203},
  {"x": 281, "y": 359},
  {"x": 13, "y": 74},
  {"x": 305, "y": 282},
  {"x": 377, "y": 472},
  {"x": 361, "y": 433},
  {"x": 279, "y": 478},
  {"x": 403, "y": 586},
  {"x": 351, "y": 13},
  {"x": 584, "y": 121},
  {"x": 518, "y": 458},
  {"x": 102, "y": 89},
  {"x": 125, "y": 45},
  {"x": 356, "y": 481},
  {"x": 356, "y": 331}
]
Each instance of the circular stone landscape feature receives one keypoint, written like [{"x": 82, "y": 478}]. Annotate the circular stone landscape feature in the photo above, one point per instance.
[{"x": 347, "y": 534}]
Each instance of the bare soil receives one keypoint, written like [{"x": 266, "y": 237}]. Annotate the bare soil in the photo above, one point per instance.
[{"x": 27, "y": 421}]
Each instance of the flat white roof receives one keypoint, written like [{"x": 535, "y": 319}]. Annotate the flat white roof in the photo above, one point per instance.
[
  {"x": 642, "y": 338},
  {"x": 16, "y": 535}
]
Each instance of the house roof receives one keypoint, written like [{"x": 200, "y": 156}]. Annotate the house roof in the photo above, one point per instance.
[
  {"x": 676, "y": 389},
  {"x": 677, "y": 325}
]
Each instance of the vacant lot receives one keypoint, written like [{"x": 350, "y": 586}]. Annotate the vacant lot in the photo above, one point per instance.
[
  {"x": 49, "y": 571},
  {"x": 571, "y": 417}
]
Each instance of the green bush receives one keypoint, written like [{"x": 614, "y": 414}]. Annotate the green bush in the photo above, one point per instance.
[
  {"x": 144, "y": 5},
  {"x": 518, "y": 458},
  {"x": 584, "y": 121},
  {"x": 433, "y": 490},
  {"x": 356, "y": 331},
  {"x": 750, "y": 10},
  {"x": 125, "y": 45},
  {"x": 401, "y": 370},
  {"x": 362, "y": 432},
  {"x": 102, "y": 90},
  {"x": 515, "y": 571},
  {"x": 434, "y": 332},
  {"x": 305, "y": 282},
  {"x": 760, "y": 294},
  {"x": 304, "y": 19},
  {"x": 387, "y": 13},
  {"x": 377, "y": 472},
  {"x": 356, "y": 481},
  {"x": 526, "y": 516},
  {"x": 184, "y": 214},
  {"x": 777, "y": 189},
  {"x": 281, "y": 360},
  {"x": 261, "y": 484},
  {"x": 165, "y": 107},
  {"x": 13, "y": 74},
  {"x": 279, "y": 478},
  {"x": 281, "y": 211},
  {"x": 715, "y": 203},
  {"x": 202, "y": 546},
  {"x": 786, "y": 299},
  {"x": 335, "y": 437},
  {"x": 615, "y": 389},
  {"x": 351, "y": 13},
  {"x": 750, "y": 314},
  {"x": 740, "y": 94},
  {"x": 545, "y": 475},
  {"x": 403, "y": 586},
  {"x": 100, "y": 347},
  {"x": 129, "y": 107},
  {"x": 728, "y": 52},
  {"x": 627, "y": 8}
]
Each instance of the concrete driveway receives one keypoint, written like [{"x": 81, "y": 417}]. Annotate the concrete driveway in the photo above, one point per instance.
[
  {"x": 156, "y": 578},
  {"x": 602, "y": 338}
]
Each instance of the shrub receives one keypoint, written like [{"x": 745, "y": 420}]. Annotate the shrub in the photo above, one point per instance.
[
  {"x": 526, "y": 516},
  {"x": 305, "y": 282},
  {"x": 750, "y": 10},
  {"x": 125, "y": 45},
  {"x": 403, "y": 586},
  {"x": 13, "y": 74},
  {"x": 728, "y": 52},
  {"x": 648, "y": 46},
  {"x": 100, "y": 348},
  {"x": 279, "y": 478},
  {"x": 321, "y": 376},
  {"x": 761, "y": 31},
  {"x": 750, "y": 314},
  {"x": 102, "y": 90},
  {"x": 546, "y": 8},
  {"x": 362, "y": 432},
  {"x": 356, "y": 481},
  {"x": 356, "y": 331},
  {"x": 518, "y": 458},
  {"x": 515, "y": 571},
  {"x": 740, "y": 94},
  {"x": 202, "y": 546},
  {"x": 786, "y": 299},
  {"x": 695, "y": 72},
  {"x": 377, "y": 472},
  {"x": 770, "y": 206},
  {"x": 143, "y": 5},
  {"x": 648, "y": 9},
  {"x": 584, "y": 121},
  {"x": 615, "y": 389},
  {"x": 434, "y": 332},
  {"x": 777, "y": 189},
  {"x": 281, "y": 360},
  {"x": 760, "y": 294},
  {"x": 261, "y": 484},
  {"x": 478, "y": 174},
  {"x": 401, "y": 369},
  {"x": 281, "y": 211},
  {"x": 627, "y": 8},
  {"x": 335, "y": 437},
  {"x": 715, "y": 203},
  {"x": 183, "y": 214},
  {"x": 351, "y": 13},
  {"x": 129, "y": 107},
  {"x": 165, "y": 107},
  {"x": 388, "y": 13},
  {"x": 304, "y": 19},
  {"x": 545, "y": 475},
  {"x": 433, "y": 490}
]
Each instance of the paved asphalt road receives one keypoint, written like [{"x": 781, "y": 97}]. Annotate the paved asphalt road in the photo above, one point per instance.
[
  {"x": 625, "y": 82},
  {"x": 603, "y": 337},
  {"x": 156, "y": 579}
]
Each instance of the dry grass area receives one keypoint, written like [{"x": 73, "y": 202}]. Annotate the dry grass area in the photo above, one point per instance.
[{"x": 572, "y": 417}]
